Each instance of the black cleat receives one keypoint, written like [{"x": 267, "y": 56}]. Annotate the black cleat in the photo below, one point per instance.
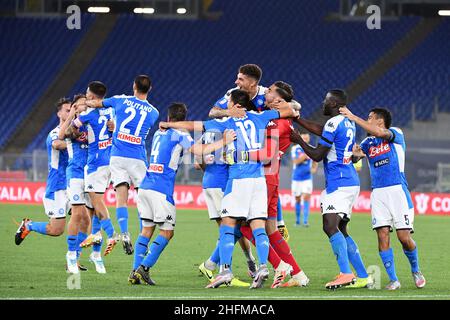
[
  {"x": 22, "y": 232},
  {"x": 144, "y": 276}
]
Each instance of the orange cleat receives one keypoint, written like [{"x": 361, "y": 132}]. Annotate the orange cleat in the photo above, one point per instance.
[
  {"x": 23, "y": 231},
  {"x": 341, "y": 280}
]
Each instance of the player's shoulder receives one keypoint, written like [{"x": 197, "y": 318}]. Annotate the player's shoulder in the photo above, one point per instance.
[
  {"x": 396, "y": 130},
  {"x": 121, "y": 96},
  {"x": 88, "y": 111},
  {"x": 333, "y": 123},
  {"x": 54, "y": 131}
]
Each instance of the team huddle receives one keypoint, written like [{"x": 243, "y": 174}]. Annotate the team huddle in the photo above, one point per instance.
[{"x": 101, "y": 141}]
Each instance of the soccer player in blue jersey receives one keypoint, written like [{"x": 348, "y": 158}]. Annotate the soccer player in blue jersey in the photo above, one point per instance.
[
  {"x": 246, "y": 191},
  {"x": 391, "y": 202},
  {"x": 155, "y": 196},
  {"x": 302, "y": 184},
  {"x": 97, "y": 173},
  {"x": 56, "y": 203},
  {"x": 134, "y": 116},
  {"x": 342, "y": 185}
]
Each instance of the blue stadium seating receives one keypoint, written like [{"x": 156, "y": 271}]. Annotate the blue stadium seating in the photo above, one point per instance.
[
  {"x": 32, "y": 50},
  {"x": 418, "y": 78},
  {"x": 197, "y": 61}
]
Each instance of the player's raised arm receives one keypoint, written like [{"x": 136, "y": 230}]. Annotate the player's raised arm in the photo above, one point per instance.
[
  {"x": 95, "y": 103},
  {"x": 315, "y": 153},
  {"x": 64, "y": 129},
  {"x": 200, "y": 149},
  {"x": 285, "y": 109},
  {"x": 182, "y": 125},
  {"x": 369, "y": 128},
  {"x": 312, "y": 126}
]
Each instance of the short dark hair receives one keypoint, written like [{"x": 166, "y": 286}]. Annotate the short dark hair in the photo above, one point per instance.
[
  {"x": 251, "y": 70},
  {"x": 284, "y": 90},
  {"x": 143, "y": 83},
  {"x": 98, "y": 88},
  {"x": 78, "y": 97},
  {"x": 241, "y": 97},
  {"x": 385, "y": 114},
  {"x": 61, "y": 102},
  {"x": 340, "y": 96},
  {"x": 177, "y": 111}
]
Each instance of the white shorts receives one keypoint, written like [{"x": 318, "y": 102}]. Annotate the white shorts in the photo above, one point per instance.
[
  {"x": 390, "y": 208},
  {"x": 127, "y": 170},
  {"x": 154, "y": 209},
  {"x": 340, "y": 201},
  {"x": 97, "y": 181},
  {"x": 301, "y": 187},
  {"x": 58, "y": 207},
  {"x": 247, "y": 199},
  {"x": 213, "y": 198},
  {"x": 76, "y": 193}
]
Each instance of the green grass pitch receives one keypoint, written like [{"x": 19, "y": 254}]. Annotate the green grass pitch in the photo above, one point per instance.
[{"x": 36, "y": 268}]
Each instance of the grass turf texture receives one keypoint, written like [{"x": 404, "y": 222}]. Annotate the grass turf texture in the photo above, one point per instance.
[{"x": 36, "y": 268}]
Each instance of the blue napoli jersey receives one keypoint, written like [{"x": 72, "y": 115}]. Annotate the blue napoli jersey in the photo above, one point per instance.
[
  {"x": 250, "y": 131},
  {"x": 302, "y": 171},
  {"x": 216, "y": 172},
  {"x": 57, "y": 164},
  {"x": 386, "y": 159},
  {"x": 165, "y": 156},
  {"x": 339, "y": 135},
  {"x": 77, "y": 150},
  {"x": 259, "y": 100},
  {"x": 99, "y": 137},
  {"x": 134, "y": 119}
]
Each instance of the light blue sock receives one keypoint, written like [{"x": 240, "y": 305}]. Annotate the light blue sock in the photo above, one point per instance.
[
  {"x": 279, "y": 211},
  {"x": 156, "y": 248},
  {"x": 339, "y": 246},
  {"x": 413, "y": 258},
  {"x": 388, "y": 260},
  {"x": 72, "y": 243},
  {"x": 262, "y": 244},
  {"x": 226, "y": 244},
  {"x": 122, "y": 218},
  {"x": 215, "y": 256},
  {"x": 305, "y": 212},
  {"x": 39, "y": 227},
  {"x": 96, "y": 227},
  {"x": 140, "y": 250},
  {"x": 80, "y": 238},
  {"x": 140, "y": 222},
  {"x": 298, "y": 209},
  {"x": 355, "y": 258},
  {"x": 108, "y": 227}
]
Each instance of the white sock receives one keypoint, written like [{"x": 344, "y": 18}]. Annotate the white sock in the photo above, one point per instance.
[{"x": 210, "y": 265}]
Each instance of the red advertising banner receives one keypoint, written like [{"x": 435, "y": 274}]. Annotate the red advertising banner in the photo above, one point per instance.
[{"x": 191, "y": 197}]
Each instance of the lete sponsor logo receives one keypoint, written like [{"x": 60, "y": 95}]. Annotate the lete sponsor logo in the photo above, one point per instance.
[{"x": 379, "y": 150}]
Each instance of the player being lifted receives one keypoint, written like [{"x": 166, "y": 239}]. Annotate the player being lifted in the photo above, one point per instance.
[
  {"x": 97, "y": 173},
  {"x": 302, "y": 184},
  {"x": 134, "y": 116},
  {"x": 246, "y": 192},
  {"x": 391, "y": 202},
  {"x": 56, "y": 203},
  {"x": 155, "y": 196},
  {"x": 342, "y": 185}
]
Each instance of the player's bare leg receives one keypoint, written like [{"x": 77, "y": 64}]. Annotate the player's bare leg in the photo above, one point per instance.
[
  {"x": 410, "y": 250},
  {"x": 122, "y": 216},
  {"x": 103, "y": 214}
]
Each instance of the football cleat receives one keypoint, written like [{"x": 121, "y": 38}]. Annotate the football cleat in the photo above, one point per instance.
[
  {"x": 97, "y": 260},
  {"x": 126, "y": 243},
  {"x": 23, "y": 231},
  {"x": 261, "y": 276},
  {"x": 281, "y": 272},
  {"x": 91, "y": 240},
  {"x": 206, "y": 272},
  {"x": 283, "y": 230},
  {"x": 341, "y": 280},
  {"x": 72, "y": 263},
  {"x": 361, "y": 283},
  {"x": 419, "y": 279},
  {"x": 111, "y": 244},
  {"x": 224, "y": 277},
  {"x": 393, "y": 285},
  {"x": 252, "y": 269},
  {"x": 133, "y": 278},
  {"x": 235, "y": 282},
  {"x": 298, "y": 280},
  {"x": 81, "y": 267},
  {"x": 144, "y": 276}
]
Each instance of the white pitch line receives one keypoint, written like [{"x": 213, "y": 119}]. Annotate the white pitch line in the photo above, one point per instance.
[{"x": 229, "y": 297}]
